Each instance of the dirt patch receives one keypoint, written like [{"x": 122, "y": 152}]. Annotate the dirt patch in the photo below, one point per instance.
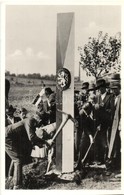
[{"x": 92, "y": 178}]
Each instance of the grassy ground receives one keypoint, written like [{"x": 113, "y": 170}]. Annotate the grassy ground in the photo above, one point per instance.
[{"x": 33, "y": 177}]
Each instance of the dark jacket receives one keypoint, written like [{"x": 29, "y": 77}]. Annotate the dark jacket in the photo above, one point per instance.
[
  {"x": 105, "y": 111},
  {"x": 21, "y": 136}
]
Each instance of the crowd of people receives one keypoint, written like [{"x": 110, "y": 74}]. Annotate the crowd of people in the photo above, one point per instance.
[{"x": 97, "y": 109}]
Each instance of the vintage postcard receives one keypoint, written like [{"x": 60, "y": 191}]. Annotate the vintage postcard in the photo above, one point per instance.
[{"x": 61, "y": 92}]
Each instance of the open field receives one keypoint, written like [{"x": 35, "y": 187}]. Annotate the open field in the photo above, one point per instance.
[
  {"x": 22, "y": 93},
  {"x": 33, "y": 178}
]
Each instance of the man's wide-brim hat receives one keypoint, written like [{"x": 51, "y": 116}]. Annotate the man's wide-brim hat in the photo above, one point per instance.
[
  {"x": 101, "y": 83},
  {"x": 116, "y": 77},
  {"x": 85, "y": 85},
  {"x": 115, "y": 85},
  {"x": 92, "y": 87}
]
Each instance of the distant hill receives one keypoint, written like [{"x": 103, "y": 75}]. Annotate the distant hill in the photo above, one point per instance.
[{"x": 14, "y": 80}]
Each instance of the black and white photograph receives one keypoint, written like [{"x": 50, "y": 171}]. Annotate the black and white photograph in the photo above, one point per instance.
[{"x": 63, "y": 97}]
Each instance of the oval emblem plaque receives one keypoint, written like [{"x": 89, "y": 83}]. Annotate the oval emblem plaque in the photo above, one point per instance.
[{"x": 63, "y": 79}]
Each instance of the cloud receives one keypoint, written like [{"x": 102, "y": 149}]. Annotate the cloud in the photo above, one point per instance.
[
  {"x": 16, "y": 53},
  {"x": 29, "y": 52},
  {"x": 28, "y": 61},
  {"x": 94, "y": 28},
  {"x": 41, "y": 55},
  {"x": 92, "y": 25}
]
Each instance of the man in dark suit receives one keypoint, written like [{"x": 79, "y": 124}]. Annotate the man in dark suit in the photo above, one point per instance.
[
  {"x": 19, "y": 140},
  {"x": 104, "y": 109},
  {"x": 88, "y": 127},
  {"x": 114, "y": 153}
]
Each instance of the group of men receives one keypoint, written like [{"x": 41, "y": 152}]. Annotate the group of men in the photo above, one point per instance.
[{"x": 97, "y": 110}]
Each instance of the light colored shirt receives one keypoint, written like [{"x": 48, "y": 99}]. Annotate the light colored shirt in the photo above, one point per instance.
[{"x": 116, "y": 99}]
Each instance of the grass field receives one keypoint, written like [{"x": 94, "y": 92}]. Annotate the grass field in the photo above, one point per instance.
[{"x": 22, "y": 96}]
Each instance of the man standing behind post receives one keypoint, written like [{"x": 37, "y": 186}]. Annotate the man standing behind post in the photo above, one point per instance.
[
  {"x": 104, "y": 109},
  {"x": 84, "y": 93},
  {"x": 51, "y": 104},
  {"x": 82, "y": 100}
]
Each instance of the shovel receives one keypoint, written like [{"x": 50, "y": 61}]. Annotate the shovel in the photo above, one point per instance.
[{"x": 87, "y": 152}]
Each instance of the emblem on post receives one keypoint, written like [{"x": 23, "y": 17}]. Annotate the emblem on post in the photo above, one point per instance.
[{"x": 63, "y": 79}]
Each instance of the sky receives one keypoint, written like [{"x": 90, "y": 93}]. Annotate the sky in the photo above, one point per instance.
[{"x": 31, "y": 33}]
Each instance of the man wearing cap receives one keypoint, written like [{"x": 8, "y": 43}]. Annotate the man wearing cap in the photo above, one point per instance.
[
  {"x": 104, "y": 109},
  {"x": 19, "y": 140}
]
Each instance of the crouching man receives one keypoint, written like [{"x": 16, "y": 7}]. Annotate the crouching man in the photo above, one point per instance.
[{"x": 19, "y": 140}]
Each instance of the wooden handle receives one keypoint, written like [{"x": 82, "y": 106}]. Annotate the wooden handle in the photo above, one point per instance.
[{"x": 60, "y": 127}]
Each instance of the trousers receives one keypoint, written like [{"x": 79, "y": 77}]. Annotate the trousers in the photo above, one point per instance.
[{"x": 17, "y": 162}]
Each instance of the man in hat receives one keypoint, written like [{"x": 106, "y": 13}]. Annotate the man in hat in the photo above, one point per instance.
[
  {"x": 103, "y": 109},
  {"x": 114, "y": 152},
  {"x": 84, "y": 92},
  {"x": 87, "y": 123},
  {"x": 116, "y": 77},
  {"x": 92, "y": 93},
  {"x": 19, "y": 140},
  {"x": 10, "y": 118}
]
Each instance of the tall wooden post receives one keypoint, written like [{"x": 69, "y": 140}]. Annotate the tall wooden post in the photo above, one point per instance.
[{"x": 65, "y": 98}]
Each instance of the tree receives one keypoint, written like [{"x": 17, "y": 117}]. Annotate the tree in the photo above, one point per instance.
[
  {"x": 13, "y": 75},
  {"x": 101, "y": 55}
]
